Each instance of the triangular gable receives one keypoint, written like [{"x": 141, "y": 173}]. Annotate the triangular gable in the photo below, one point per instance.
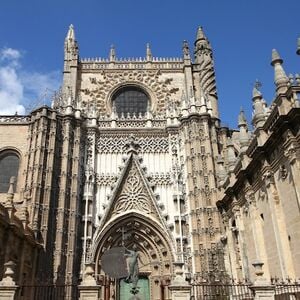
[{"x": 132, "y": 193}]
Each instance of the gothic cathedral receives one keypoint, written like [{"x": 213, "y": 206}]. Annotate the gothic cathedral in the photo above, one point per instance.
[{"x": 132, "y": 152}]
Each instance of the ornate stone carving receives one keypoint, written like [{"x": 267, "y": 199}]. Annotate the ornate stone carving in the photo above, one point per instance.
[
  {"x": 117, "y": 144},
  {"x": 106, "y": 179},
  {"x": 268, "y": 177},
  {"x": 283, "y": 172},
  {"x": 292, "y": 153},
  {"x": 133, "y": 195},
  {"x": 160, "y": 179},
  {"x": 110, "y": 81}
]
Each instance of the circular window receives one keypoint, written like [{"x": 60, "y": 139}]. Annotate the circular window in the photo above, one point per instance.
[{"x": 131, "y": 101}]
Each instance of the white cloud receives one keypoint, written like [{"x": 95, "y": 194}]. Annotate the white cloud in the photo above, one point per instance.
[
  {"x": 10, "y": 54},
  {"x": 19, "y": 87}
]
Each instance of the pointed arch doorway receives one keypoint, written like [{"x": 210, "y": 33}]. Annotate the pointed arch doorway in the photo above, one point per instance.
[{"x": 155, "y": 250}]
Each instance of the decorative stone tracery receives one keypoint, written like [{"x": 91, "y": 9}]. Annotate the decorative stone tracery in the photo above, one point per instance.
[
  {"x": 102, "y": 89},
  {"x": 133, "y": 195},
  {"x": 147, "y": 144}
]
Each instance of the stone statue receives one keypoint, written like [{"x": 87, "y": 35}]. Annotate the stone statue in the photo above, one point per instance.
[{"x": 133, "y": 268}]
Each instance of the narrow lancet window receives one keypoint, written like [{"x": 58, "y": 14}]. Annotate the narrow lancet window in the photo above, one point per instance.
[{"x": 9, "y": 166}]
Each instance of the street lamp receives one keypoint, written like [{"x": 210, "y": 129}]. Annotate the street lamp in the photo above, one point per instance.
[{"x": 298, "y": 47}]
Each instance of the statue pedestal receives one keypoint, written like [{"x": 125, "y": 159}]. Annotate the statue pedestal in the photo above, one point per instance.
[
  {"x": 180, "y": 289},
  {"x": 180, "y": 292},
  {"x": 8, "y": 286},
  {"x": 89, "y": 290},
  {"x": 262, "y": 288}
]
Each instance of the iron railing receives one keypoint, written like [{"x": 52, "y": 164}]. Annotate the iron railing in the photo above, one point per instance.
[
  {"x": 220, "y": 291},
  {"x": 287, "y": 292},
  {"x": 48, "y": 292}
]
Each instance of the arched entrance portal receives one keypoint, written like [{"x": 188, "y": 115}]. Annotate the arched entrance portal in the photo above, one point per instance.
[{"x": 155, "y": 251}]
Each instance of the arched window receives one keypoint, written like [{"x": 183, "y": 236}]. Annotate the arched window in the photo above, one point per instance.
[
  {"x": 130, "y": 100},
  {"x": 9, "y": 166}
]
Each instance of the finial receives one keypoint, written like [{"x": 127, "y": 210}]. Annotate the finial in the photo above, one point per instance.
[
  {"x": 280, "y": 79},
  {"x": 256, "y": 93},
  {"x": 186, "y": 50},
  {"x": 112, "y": 53},
  {"x": 243, "y": 134},
  {"x": 298, "y": 46},
  {"x": 200, "y": 34},
  {"x": 71, "y": 33},
  {"x": 242, "y": 117},
  {"x": 257, "y": 84},
  {"x": 258, "y": 106},
  {"x": 148, "y": 52},
  {"x": 276, "y": 57}
]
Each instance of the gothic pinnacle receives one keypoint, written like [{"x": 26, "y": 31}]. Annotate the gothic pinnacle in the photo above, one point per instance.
[
  {"x": 242, "y": 118},
  {"x": 258, "y": 106},
  {"x": 243, "y": 134},
  {"x": 256, "y": 93},
  {"x": 276, "y": 57},
  {"x": 148, "y": 52},
  {"x": 112, "y": 53},
  {"x": 200, "y": 34},
  {"x": 71, "y": 33},
  {"x": 280, "y": 78},
  {"x": 186, "y": 50}
]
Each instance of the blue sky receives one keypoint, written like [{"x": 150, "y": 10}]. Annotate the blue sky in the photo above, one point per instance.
[{"x": 241, "y": 32}]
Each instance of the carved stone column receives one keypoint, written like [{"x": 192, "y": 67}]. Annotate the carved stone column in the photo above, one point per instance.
[
  {"x": 180, "y": 289},
  {"x": 8, "y": 286}
]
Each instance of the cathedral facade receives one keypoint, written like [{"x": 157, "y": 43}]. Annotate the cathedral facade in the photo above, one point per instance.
[{"x": 132, "y": 152}]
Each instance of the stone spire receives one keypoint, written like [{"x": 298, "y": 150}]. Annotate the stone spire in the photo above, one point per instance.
[
  {"x": 71, "y": 33},
  {"x": 258, "y": 107},
  {"x": 280, "y": 78},
  {"x": 242, "y": 118},
  {"x": 148, "y": 53},
  {"x": 71, "y": 61},
  {"x": 112, "y": 53},
  {"x": 204, "y": 64},
  {"x": 298, "y": 46},
  {"x": 243, "y": 135},
  {"x": 202, "y": 38},
  {"x": 71, "y": 47}
]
